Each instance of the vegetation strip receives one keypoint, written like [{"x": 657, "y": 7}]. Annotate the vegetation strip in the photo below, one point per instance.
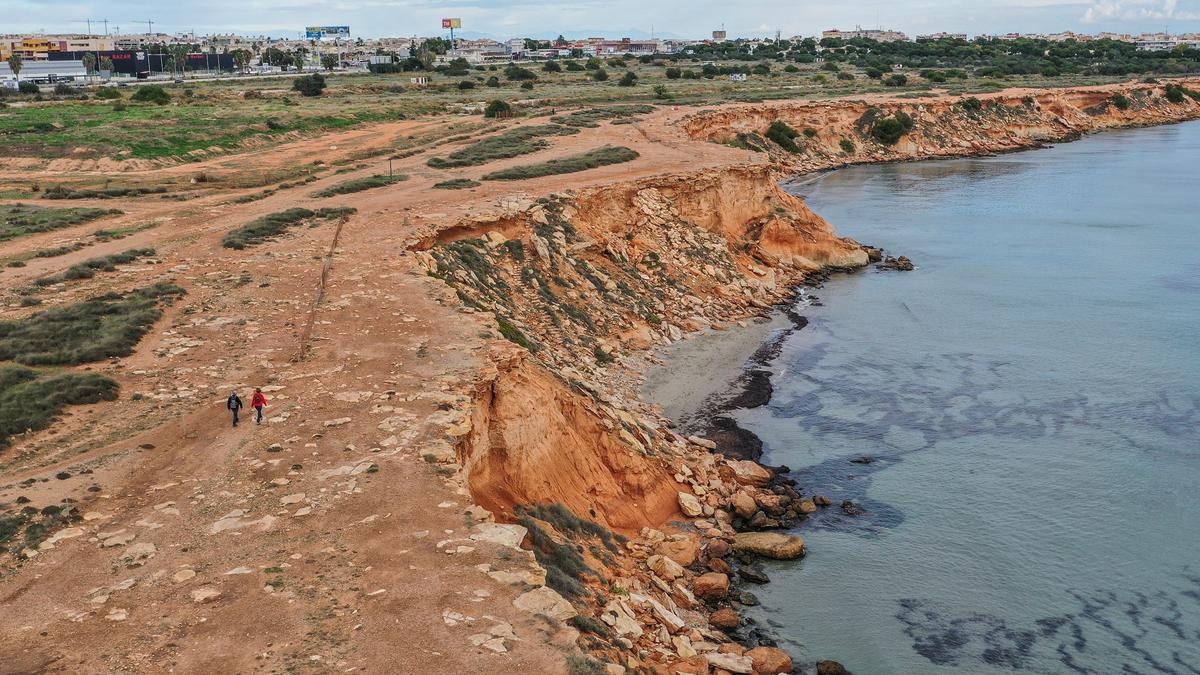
[
  {"x": 18, "y": 220},
  {"x": 88, "y": 268},
  {"x": 30, "y": 401},
  {"x": 360, "y": 184},
  {"x": 98, "y": 328},
  {"x": 272, "y": 225},
  {"x": 592, "y": 118},
  {"x": 588, "y": 160},
  {"x": 456, "y": 184},
  {"x": 511, "y": 143}
]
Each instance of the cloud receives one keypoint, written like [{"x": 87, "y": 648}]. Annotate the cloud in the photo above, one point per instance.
[{"x": 1137, "y": 10}]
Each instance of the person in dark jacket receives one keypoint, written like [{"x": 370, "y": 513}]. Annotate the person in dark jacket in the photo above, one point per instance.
[
  {"x": 234, "y": 404},
  {"x": 257, "y": 401}
]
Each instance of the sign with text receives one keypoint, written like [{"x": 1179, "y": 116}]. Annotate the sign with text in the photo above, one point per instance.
[
  {"x": 317, "y": 32},
  {"x": 451, "y": 23}
]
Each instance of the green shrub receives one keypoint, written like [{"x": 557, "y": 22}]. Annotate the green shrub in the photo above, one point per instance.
[
  {"x": 888, "y": 130},
  {"x": 552, "y": 67},
  {"x": 896, "y": 80},
  {"x": 492, "y": 81},
  {"x": 783, "y": 135},
  {"x": 844, "y": 76},
  {"x": 360, "y": 184},
  {"x": 92, "y": 330},
  {"x": 673, "y": 73},
  {"x": 60, "y": 192},
  {"x": 528, "y": 84},
  {"x": 600, "y": 75},
  {"x": 31, "y": 402},
  {"x": 108, "y": 93},
  {"x": 28, "y": 88},
  {"x": 629, "y": 79},
  {"x": 1121, "y": 101},
  {"x": 497, "y": 108},
  {"x": 847, "y": 146},
  {"x": 517, "y": 73},
  {"x": 272, "y": 225},
  {"x": 511, "y": 143},
  {"x": 810, "y": 132},
  {"x": 465, "y": 85},
  {"x": 151, "y": 93},
  {"x": 588, "y": 160},
  {"x": 514, "y": 334},
  {"x": 971, "y": 104},
  {"x": 309, "y": 85}
]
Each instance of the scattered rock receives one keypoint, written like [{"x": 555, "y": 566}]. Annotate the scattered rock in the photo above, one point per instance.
[
  {"x": 770, "y": 660},
  {"x": 730, "y": 662},
  {"x": 689, "y": 505},
  {"x": 546, "y": 601},
  {"x": 831, "y": 668},
  {"x": 725, "y": 617},
  {"x": 206, "y": 594},
  {"x": 711, "y": 586},
  {"x": 183, "y": 575}
]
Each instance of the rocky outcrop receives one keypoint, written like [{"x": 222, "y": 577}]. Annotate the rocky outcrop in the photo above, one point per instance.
[{"x": 942, "y": 126}]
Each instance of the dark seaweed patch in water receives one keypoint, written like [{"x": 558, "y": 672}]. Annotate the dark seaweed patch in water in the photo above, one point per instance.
[
  {"x": 733, "y": 440},
  {"x": 1136, "y": 620},
  {"x": 756, "y": 390}
]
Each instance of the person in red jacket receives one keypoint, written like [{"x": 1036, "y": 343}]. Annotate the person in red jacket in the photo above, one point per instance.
[{"x": 257, "y": 402}]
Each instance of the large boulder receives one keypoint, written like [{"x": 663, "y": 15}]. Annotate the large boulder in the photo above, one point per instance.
[
  {"x": 682, "y": 551},
  {"x": 711, "y": 586},
  {"x": 744, "y": 504},
  {"x": 770, "y": 544},
  {"x": 750, "y": 473},
  {"x": 726, "y": 617},
  {"x": 831, "y": 668},
  {"x": 770, "y": 660}
]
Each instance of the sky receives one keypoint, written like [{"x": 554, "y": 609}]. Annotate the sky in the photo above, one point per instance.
[{"x": 611, "y": 18}]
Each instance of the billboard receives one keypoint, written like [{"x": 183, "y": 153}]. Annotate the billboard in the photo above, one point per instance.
[
  {"x": 318, "y": 32},
  {"x": 451, "y": 23}
]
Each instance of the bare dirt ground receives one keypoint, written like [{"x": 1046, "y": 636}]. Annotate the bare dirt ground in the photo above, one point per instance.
[{"x": 333, "y": 542}]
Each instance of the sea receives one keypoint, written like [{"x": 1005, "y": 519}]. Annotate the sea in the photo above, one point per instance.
[{"x": 1018, "y": 417}]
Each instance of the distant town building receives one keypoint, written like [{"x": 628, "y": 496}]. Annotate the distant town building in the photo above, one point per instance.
[
  {"x": 941, "y": 36},
  {"x": 869, "y": 34},
  {"x": 719, "y": 35},
  {"x": 39, "y": 48},
  {"x": 45, "y": 72}
]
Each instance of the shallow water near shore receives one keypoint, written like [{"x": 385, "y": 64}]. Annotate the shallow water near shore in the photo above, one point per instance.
[{"x": 1031, "y": 398}]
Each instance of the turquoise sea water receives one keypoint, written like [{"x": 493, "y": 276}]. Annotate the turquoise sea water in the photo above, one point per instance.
[{"x": 1031, "y": 396}]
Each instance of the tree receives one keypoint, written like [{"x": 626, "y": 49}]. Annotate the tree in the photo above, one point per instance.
[
  {"x": 329, "y": 61},
  {"x": 310, "y": 85},
  {"x": 298, "y": 61},
  {"x": 89, "y": 63},
  {"x": 241, "y": 59},
  {"x": 14, "y": 63},
  {"x": 497, "y": 108},
  {"x": 106, "y": 64}
]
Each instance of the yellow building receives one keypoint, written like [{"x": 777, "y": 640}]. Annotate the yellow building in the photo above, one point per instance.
[{"x": 39, "y": 48}]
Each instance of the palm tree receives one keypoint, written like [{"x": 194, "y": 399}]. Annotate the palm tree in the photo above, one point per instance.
[
  {"x": 89, "y": 64},
  {"x": 14, "y": 64}
]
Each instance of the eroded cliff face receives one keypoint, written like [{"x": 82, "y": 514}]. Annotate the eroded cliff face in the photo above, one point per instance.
[
  {"x": 582, "y": 279},
  {"x": 942, "y": 126}
]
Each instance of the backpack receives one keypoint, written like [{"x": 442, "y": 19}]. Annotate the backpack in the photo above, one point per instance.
[{"x": 234, "y": 402}]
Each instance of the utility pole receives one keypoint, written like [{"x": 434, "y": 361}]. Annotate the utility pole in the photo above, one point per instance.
[
  {"x": 150, "y": 27},
  {"x": 89, "y": 23}
]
